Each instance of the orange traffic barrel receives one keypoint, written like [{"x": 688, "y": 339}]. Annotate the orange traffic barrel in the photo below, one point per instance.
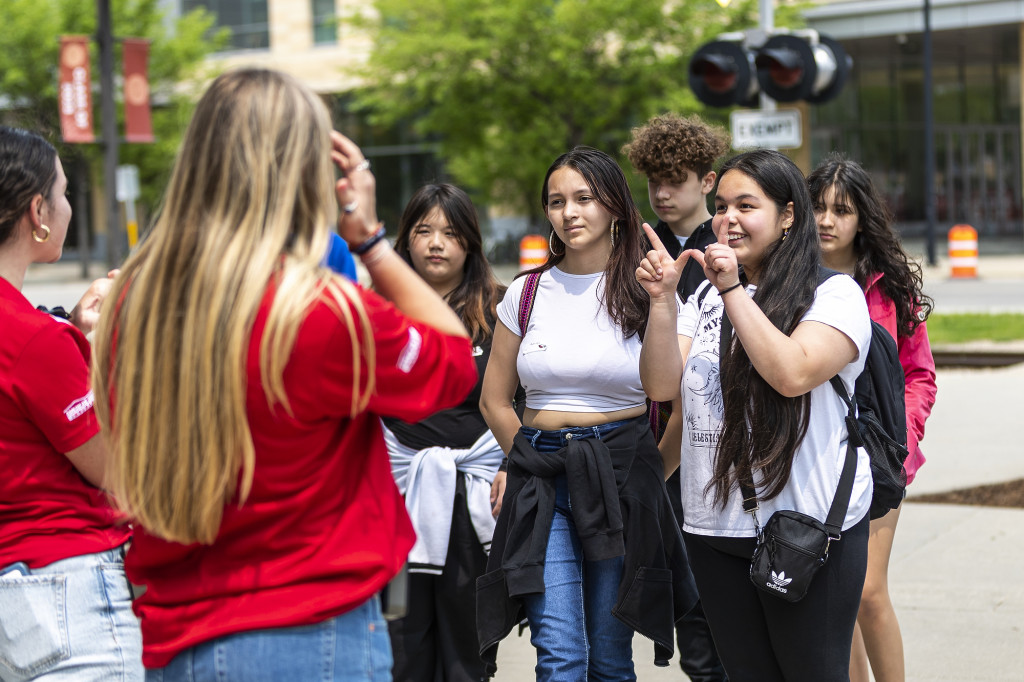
[
  {"x": 533, "y": 251},
  {"x": 963, "y": 251}
]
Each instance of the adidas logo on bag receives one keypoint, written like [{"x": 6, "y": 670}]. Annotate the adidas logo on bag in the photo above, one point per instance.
[{"x": 779, "y": 582}]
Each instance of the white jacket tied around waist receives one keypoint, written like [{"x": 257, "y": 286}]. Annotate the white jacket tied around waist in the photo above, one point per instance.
[{"x": 427, "y": 479}]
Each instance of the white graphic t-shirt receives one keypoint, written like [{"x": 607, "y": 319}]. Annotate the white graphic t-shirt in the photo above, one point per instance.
[{"x": 839, "y": 303}]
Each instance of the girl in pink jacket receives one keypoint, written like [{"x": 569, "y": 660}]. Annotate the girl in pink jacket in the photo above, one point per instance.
[{"x": 857, "y": 238}]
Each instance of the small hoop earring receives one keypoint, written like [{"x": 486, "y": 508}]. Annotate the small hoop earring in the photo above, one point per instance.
[
  {"x": 46, "y": 234},
  {"x": 614, "y": 232},
  {"x": 551, "y": 244}
]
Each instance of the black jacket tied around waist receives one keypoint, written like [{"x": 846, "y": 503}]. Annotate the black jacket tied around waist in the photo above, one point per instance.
[{"x": 619, "y": 507}]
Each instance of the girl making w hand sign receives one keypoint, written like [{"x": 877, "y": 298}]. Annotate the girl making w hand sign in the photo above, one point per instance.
[{"x": 763, "y": 412}]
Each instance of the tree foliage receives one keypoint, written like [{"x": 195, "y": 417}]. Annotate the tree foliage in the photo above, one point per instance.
[
  {"x": 29, "y": 52},
  {"x": 505, "y": 86}
]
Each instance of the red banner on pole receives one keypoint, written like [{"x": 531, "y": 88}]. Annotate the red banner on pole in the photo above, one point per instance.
[
  {"x": 75, "y": 91},
  {"x": 138, "y": 125}
]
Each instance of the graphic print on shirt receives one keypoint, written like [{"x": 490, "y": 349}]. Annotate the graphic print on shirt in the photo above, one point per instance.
[
  {"x": 704, "y": 407},
  {"x": 79, "y": 407},
  {"x": 411, "y": 352}
]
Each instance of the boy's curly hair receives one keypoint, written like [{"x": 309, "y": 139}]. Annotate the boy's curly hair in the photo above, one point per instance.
[{"x": 667, "y": 147}]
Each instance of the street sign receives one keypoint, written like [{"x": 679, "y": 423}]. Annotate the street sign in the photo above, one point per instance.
[
  {"x": 127, "y": 183},
  {"x": 766, "y": 129}
]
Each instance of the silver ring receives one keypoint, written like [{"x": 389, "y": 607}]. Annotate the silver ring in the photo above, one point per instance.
[
  {"x": 362, "y": 165},
  {"x": 351, "y": 208}
]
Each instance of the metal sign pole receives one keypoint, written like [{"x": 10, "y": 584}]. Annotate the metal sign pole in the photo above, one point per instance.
[{"x": 105, "y": 39}]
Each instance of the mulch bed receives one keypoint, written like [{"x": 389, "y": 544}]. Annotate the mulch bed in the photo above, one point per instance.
[{"x": 1010, "y": 494}]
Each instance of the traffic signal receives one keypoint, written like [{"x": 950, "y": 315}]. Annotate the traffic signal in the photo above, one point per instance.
[
  {"x": 722, "y": 74},
  {"x": 792, "y": 68},
  {"x": 786, "y": 67}
]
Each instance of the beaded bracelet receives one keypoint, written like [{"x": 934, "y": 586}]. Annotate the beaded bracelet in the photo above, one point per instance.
[
  {"x": 369, "y": 243},
  {"x": 723, "y": 292}
]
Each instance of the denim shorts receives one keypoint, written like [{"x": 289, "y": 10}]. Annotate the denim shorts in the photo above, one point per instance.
[
  {"x": 352, "y": 647},
  {"x": 70, "y": 620}
]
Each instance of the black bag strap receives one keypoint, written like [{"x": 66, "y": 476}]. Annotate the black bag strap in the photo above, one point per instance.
[{"x": 841, "y": 501}]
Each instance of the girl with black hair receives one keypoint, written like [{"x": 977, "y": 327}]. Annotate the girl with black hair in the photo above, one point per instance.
[
  {"x": 857, "y": 238},
  {"x": 764, "y": 412},
  {"x": 445, "y": 464},
  {"x": 585, "y": 546}
]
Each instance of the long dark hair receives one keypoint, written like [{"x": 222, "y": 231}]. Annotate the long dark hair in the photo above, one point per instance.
[
  {"x": 625, "y": 299},
  {"x": 876, "y": 246},
  {"x": 762, "y": 428},
  {"x": 28, "y": 166},
  {"x": 477, "y": 296}
]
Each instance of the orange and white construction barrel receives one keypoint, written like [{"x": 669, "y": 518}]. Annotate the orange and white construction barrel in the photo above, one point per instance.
[
  {"x": 963, "y": 251},
  {"x": 533, "y": 251}
]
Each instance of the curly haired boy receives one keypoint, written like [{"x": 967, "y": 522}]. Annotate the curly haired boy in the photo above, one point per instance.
[{"x": 676, "y": 154}]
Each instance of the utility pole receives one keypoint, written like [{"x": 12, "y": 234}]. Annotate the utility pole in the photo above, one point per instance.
[
  {"x": 929, "y": 134},
  {"x": 105, "y": 40},
  {"x": 766, "y": 21}
]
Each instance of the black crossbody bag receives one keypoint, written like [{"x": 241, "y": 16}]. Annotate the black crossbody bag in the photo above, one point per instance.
[{"x": 793, "y": 546}]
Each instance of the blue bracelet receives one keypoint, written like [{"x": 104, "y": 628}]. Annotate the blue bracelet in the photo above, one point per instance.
[{"x": 369, "y": 243}]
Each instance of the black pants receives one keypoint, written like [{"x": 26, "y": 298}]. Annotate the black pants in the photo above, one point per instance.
[
  {"x": 762, "y": 638},
  {"x": 697, "y": 655},
  {"x": 436, "y": 641}
]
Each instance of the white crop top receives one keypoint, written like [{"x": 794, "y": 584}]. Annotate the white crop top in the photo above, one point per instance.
[{"x": 573, "y": 358}]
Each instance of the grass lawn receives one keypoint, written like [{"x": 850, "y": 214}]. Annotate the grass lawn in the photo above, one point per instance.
[{"x": 960, "y": 328}]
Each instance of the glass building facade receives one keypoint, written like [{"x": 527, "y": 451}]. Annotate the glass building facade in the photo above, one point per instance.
[{"x": 878, "y": 119}]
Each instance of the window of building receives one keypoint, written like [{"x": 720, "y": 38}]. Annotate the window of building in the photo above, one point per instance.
[
  {"x": 247, "y": 20},
  {"x": 325, "y": 22},
  {"x": 878, "y": 119}
]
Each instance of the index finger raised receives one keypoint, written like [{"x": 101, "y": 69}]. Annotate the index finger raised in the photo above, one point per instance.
[{"x": 652, "y": 236}]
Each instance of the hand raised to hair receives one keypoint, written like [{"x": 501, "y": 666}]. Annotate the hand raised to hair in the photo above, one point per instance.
[
  {"x": 659, "y": 273},
  {"x": 356, "y": 191}
]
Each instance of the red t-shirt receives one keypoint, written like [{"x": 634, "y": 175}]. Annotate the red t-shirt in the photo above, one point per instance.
[
  {"x": 324, "y": 526},
  {"x": 48, "y": 512}
]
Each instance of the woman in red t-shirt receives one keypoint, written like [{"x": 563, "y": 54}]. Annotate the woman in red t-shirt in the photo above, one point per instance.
[
  {"x": 58, "y": 534},
  {"x": 243, "y": 384}
]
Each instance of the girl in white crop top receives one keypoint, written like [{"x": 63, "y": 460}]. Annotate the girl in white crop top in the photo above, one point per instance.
[{"x": 578, "y": 360}]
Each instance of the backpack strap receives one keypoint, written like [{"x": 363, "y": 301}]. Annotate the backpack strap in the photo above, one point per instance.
[{"x": 526, "y": 300}]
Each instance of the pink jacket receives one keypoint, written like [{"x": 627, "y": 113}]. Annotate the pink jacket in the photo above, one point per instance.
[{"x": 918, "y": 370}]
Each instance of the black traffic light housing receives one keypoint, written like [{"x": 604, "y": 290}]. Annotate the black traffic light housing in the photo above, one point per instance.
[
  {"x": 722, "y": 74},
  {"x": 791, "y": 68},
  {"x": 787, "y": 67}
]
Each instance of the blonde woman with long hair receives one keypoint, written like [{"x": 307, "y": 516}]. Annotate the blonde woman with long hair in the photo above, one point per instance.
[{"x": 242, "y": 384}]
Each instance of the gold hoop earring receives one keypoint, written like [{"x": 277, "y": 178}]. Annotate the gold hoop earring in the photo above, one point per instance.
[
  {"x": 46, "y": 234},
  {"x": 551, "y": 244},
  {"x": 615, "y": 233}
]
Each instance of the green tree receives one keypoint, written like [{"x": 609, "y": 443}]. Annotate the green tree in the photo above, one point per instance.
[
  {"x": 505, "y": 86},
  {"x": 29, "y": 51}
]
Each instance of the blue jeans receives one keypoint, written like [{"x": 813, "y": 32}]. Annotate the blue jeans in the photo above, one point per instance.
[
  {"x": 70, "y": 620},
  {"x": 571, "y": 624},
  {"x": 351, "y": 647}
]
